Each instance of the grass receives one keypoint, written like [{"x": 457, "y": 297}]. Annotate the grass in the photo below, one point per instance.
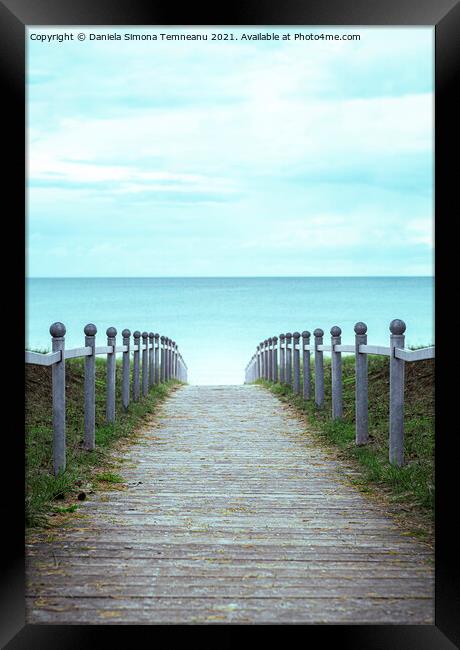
[
  {"x": 409, "y": 490},
  {"x": 109, "y": 477},
  {"x": 85, "y": 470}
]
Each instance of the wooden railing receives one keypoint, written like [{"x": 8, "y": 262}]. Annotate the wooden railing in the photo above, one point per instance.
[
  {"x": 264, "y": 364},
  {"x": 159, "y": 362}
]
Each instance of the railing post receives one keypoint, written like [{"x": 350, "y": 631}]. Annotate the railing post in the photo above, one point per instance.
[
  {"x": 174, "y": 360},
  {"x": 157, "y": 358},
  {"x": 319, "y": 368},
  {"x": 306, "y": 365},
  {"x": 168, "y": 359},
  {"x": 57, "y": 331},
  {"x": 111, "y": 370},
  {"x": 296, "y": 355},
  {"x": 258, "y": 362},
  {"x": 262, "y": 360},
  {"x": 275, "y": 359},
  {"x": 151, "y": 351},
  {"x": 126, "y": 360},
  {"x": 163, "y": 374},
  {"x": 282, "y": 359},
  {"x": 361, "y": 381},
  {"x": 136, "y": 387},
  {"x": 265, "y": 344},
  {"x": 270, "y": 359},
  {"x": 336, "y": 374},
  {"x": 288, "y": 371},
  {"x": 145, "y": 364},
  {"x": 396, "y": 442},
  {"x": 90, "y": 388}
]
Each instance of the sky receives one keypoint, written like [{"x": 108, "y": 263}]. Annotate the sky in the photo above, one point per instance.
[{"x": 230, "y": 158}]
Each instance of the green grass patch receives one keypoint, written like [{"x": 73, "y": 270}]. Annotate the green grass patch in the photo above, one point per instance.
[
  {"x": 410, "y": 489},
  {"x": 72, "y": 508},
  {"x": 109, "y": 477},
  {"x": 84, "y": 469}
]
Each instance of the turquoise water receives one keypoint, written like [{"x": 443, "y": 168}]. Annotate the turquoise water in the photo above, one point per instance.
[{"x": 217, "y": 322}]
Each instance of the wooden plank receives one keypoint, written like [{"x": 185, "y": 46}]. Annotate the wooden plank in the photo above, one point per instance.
[
  {"x": 229, "y": 610},
  {"x": 344, "y": 348},
  {"x": 73, "y": 353},
  {"x": 248, "y": 585},
  {"x": 324, "y": 348},
  {"x": 375, "y": 349},
  {"x": 39, "y": 359},
  {"x": 104, "y": 349},
  {"x": 415, "y": 355}
]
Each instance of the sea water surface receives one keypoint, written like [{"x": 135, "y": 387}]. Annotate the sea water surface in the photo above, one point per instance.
[{"x": 217, "y": 322}]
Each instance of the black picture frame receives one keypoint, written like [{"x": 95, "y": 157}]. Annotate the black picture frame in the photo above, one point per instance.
[{"x": 444, "y": 16}]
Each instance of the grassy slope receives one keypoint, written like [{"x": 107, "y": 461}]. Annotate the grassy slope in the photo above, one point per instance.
[
  {"x": 410, "y": 489},
  {"x": 84, "y": 470}
]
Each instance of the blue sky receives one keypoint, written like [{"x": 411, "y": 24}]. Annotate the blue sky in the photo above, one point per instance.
[{"x": 231, "y": 158}]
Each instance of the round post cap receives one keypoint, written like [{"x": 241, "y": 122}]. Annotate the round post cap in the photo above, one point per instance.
[
  {"x": 296, "y": 335},
  {"x": 336, "y": 331},
  {"x": 151, "y": 335},
  {"x": 318, "y": 332},
  {"x": 288, "y": 336},
  {"x": 137, "y": 334},
  {"x": 111, "y": 332},
  {"x": 57, "y": 330},
  {"x": 306, "y": 334},
  {"x": 360, "y": 328},
  {"x": 126, "y": 333},
  {"x": 145, "y": 335},
  {"x": 157, "y": 336},
  {"x": 162, "y": 339},
  {"x": 90, "y": 329},
  {"x": 275, "y": 339},
  {"x": 397, "y": 326},
  {"x": 282, "y": 337}
]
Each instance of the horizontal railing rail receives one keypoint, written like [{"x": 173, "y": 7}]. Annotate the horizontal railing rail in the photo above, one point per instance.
[
  {"x": 155, "y": 360},
  {"x": 280, "y": 362}
]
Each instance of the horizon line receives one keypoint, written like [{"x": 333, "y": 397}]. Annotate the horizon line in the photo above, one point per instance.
[{"x": 208, "y": 277}]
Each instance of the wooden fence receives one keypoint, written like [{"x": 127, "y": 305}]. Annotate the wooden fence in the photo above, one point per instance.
[
  {"x": 156, "y": 359},
  {"x": 264, "y": 364}
]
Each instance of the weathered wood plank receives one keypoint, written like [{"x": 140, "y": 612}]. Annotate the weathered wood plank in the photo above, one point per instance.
[
  {"x": 103, "y": 349},
  {"x": 230, "y": 610},
  {"x": 415, "y": 355},
  {"x": 74, "y": 353},
  {"x": 375, "y": 349},
  {"x": 39, "y": 359}
]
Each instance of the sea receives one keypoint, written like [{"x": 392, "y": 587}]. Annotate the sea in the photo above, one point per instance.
[{"x": 218, "y": 322}]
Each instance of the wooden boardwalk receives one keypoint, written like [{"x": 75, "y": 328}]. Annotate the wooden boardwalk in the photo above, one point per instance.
[{"x": 232, "y": 514}]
